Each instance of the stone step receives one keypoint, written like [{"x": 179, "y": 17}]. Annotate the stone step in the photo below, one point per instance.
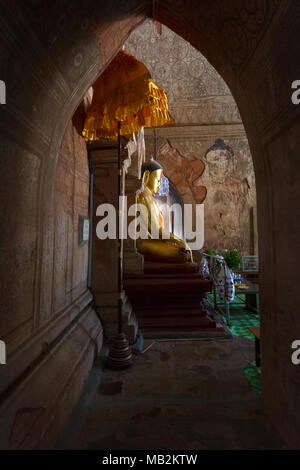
[
  {"x": 170, "y": 312},
  {"x": 188, "y": 321},
  {"x": 180, "y": 329}
]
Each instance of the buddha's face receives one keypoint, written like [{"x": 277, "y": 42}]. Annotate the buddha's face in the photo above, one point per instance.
[
  {"x": 153, "y": 181},
  {"x": 220, "y": 165}
]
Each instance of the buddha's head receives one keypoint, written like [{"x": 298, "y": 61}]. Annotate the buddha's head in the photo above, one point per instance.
[{"x": 152, "y": 173}]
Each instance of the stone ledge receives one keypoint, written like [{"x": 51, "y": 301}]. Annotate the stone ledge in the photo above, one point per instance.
[
  {"x": 198, "y": 132},
  {"x": 27, "y": 352}
]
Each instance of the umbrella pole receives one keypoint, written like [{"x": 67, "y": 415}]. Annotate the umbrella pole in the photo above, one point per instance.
[
  {"x": 120, "y": 356},
  {"x": 120, "y": 241}
]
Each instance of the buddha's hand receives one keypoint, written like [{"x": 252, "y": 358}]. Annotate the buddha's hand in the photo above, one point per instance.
[
  {"x": 181, "y": 244},
  {"x": 186, "y": 253},
  {"x": 177, "y": 241},
  {"x": 183, "y": 248}
]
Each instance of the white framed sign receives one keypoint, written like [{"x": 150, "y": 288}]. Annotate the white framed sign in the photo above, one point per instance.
[
  {"x": 86, "y": 230},
  {"x": 83, "y": 230}
]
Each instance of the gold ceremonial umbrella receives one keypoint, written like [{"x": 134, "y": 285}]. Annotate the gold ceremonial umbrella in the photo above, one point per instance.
[
  {"x": 125, "y": 99},
  {"x": 125, "y": 93}
]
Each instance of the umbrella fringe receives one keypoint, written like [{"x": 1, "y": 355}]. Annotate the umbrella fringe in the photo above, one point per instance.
[{"x": 135, "y": 104}]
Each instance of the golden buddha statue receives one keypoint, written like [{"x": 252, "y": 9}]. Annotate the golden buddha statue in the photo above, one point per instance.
[{"x": 166, "y": 248}]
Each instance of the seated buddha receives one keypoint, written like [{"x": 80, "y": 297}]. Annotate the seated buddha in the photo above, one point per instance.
[{"x": 166, "y": 247}]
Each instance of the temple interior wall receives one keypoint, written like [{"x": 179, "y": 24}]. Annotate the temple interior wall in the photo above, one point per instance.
[{"x": 51, "y": 54}]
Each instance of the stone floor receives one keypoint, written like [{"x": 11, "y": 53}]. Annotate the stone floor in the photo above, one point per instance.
[{"x": 179, "y": 395}]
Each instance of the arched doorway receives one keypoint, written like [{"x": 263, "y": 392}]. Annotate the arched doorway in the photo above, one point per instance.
[{"x": 52, "y": 56}]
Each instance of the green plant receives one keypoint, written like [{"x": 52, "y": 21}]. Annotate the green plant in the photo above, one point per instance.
[
  {"x": 210, "y": 251},
  {"x": 232, "y": 257}
]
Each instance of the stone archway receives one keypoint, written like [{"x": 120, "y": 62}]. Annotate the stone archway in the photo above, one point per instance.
[{"x": 51, "y": 56}]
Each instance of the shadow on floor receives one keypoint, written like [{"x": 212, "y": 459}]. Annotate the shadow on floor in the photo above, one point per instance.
[{"x": 178, "y": 395}]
